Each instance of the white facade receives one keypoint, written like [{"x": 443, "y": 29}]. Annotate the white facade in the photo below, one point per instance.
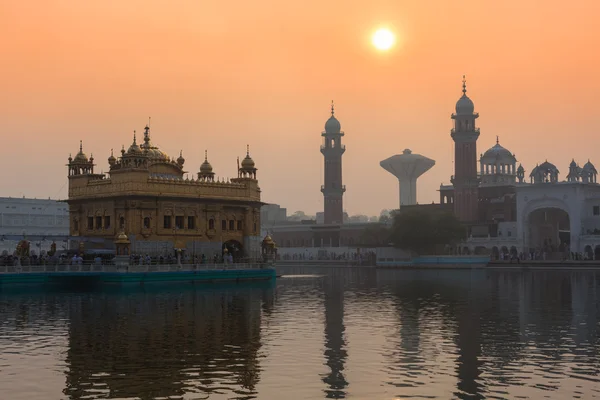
[
  {"x": 40, "y": 221},
  {"x": 579, "y": 200}
]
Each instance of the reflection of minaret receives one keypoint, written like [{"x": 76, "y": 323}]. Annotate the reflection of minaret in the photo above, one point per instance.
[
  {"x": 469, "y": 351},
  {"x": 335, "y": 343},
  {"x": 410, "y": 334}
]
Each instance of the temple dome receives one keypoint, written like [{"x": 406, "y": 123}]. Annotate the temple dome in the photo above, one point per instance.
[
  {"x": 81, "y": 156},
  {"x": 589, "y": 167},
  {"x": 498, "y": 153},
  {"x": 206, "y": 168},
  {"x": 134, "y": 148},
  {"x": 248, "y": 162}
]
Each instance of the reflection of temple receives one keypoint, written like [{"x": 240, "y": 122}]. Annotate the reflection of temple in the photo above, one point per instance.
[
  {"x": 147, "y": 195},
  {"x": 335, "y": 342},
  {"x": 156, "y": 345}
]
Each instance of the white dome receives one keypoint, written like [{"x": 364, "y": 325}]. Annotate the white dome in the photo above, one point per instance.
[
  {"x": 333, "y": 125},
  {"x": 464, "y": 106},
  {"x": 498, "y": 153}
]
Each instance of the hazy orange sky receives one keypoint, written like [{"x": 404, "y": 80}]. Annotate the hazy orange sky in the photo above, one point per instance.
[{"x": 216, "y": 75}]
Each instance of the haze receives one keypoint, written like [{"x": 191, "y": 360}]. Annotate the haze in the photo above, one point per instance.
[{"x": 219, "y": 75}]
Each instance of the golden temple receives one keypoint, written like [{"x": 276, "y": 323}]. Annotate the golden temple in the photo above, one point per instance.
[{"x": 145, "y": 195}]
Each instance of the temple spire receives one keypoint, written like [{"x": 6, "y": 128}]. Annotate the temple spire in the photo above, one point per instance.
[
  {"x": 497, "y": 140},
  {"x": 205, "y": 155},
  {"x": 247, "y": 150},
  {"x": 81, "y": 146},
  {"x": 332, "y": 108},
  {"x": 464, "y": 81}
]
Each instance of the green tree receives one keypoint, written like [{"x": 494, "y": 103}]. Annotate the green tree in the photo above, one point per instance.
[
  {"x": 426, "y": 231},
  {"x": 375, "y": 235}
]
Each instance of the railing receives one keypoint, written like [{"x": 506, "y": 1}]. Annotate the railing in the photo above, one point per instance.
[
  {"x": 343, "y": 188},
  {"x": 93, "y": 268}
]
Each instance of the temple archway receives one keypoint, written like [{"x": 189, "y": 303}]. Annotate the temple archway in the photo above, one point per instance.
[
  {"x": 235, "y": 248},
  {"x": 589, "y": 253},
  {"x": 549, "y": 231},
  {"x": 495, "y": 253}
]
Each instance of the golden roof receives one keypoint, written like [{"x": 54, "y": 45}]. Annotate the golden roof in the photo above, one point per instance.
[{"x": 122, "y": 238}]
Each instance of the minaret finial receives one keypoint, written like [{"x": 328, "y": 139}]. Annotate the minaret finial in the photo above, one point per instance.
[
  {"x": 497, "y": 140},
  {"x": 111, "y": 152},
  {"x": 464, "y": 85},
  {"x": 134, "y": 140},
  {"x": 205, "y": 155},
  {"x": 247, "y": 150},
  {"x": 332, "y": 108},
  {"x": 81, "y": 146}
]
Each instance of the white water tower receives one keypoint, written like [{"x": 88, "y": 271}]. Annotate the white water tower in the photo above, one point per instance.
[{"x": 407, "y": 167}]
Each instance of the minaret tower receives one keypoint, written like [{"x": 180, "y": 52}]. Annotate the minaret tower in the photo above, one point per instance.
[
  {"x": 465, "y": 179},
  {"x": 333, "y": 190}
]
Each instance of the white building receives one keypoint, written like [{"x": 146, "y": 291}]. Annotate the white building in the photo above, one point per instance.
[
  {"x": 39, "y": 221},
  {"x": 551, "y": 215}
]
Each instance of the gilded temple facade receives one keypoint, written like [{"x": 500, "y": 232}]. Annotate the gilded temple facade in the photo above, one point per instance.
[{"x": 145, "y": 195}]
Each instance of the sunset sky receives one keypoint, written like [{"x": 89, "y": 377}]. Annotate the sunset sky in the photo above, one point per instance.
[{"x": 218, "y": 75}]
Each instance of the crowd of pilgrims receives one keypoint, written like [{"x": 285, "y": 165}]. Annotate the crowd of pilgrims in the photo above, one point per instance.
[
  {"x": 7, "y": 259},
  {"x": 367, "y": 257}
]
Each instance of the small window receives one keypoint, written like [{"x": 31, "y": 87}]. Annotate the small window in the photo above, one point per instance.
[
  {"x": 224, "y": 225},
  {"x": 107, "y": 222},
  {"x": 240, "y": 225},
  {"x": 211, "y": 224},
  {"x": 167, "y": 222},
  {"x": 596, "y": 210},
  {"x": 90, "y": 224},
  {"x": 231, "y": 225},
  {"x": 146, "y": 222},
  {"x": 98, "y": 222},
  {"x": 179, "y": 222},
  {"x": 191, "y": 222}
]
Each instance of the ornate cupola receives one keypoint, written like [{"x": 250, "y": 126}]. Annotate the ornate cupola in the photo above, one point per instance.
[
  {"x": 180, "y": 159},
  {"x": 206, "y": 170},
  {"x": 574, "y": 172},
  {"x": 135, "y": 157},
  {"x": 248, "y": 169},
  {"x": 112, "y": 160},
  {"x": 521, "y": 174},
  {"x": 80, "y": 165}
]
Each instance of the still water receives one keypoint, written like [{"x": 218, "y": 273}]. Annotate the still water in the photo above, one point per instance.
[{"x": 317, "y": 333}]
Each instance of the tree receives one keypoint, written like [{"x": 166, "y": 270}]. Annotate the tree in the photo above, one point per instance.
[
  {"x": 426, "y": 231},
  {"x": 375, "y": 235}
]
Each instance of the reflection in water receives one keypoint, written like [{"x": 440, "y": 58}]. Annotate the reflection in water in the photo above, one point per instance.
[
  {"x": 341, "y": 333},
  {"x": 335, "y": 343}
]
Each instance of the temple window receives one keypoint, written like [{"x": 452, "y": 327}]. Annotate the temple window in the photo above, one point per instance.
[
  {"x": 179, "y": 222},
  {"x": 107, "y": 222},
  {"x": 146, "y": 222},
  {"x": 90, "y": 223},
  {"x": 167, "y": 222},
  {"x": 191, "y": 222},
  {"x": 211, "y": 224},
  {"x": 224, "y": 224},
  {"x": 98, "y": 222},
  {"x": 231, "y": 225},
  {"x": 240, "y": 225}
]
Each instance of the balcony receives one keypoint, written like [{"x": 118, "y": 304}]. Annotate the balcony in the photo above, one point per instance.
[
  {"x": 342, "y": 147},
  {"x": 333, "y": 189},
  {"x": 453, "y": 131}
]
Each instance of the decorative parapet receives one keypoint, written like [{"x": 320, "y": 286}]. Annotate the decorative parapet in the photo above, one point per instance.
[{"x": 163, "y": 186}]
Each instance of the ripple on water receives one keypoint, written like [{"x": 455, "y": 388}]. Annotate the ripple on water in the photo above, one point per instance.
[{"x": 337, "y": 333}]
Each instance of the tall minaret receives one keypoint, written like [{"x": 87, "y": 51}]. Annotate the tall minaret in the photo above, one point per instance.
[
  {"x": 333, "y": 190},
  {"x": 465, "y": 179}
]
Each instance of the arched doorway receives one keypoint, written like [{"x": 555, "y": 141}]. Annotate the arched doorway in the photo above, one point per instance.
[
  {"x": 589, "y": 253},
  {"x": 549, "y": 232},
  {"x": 235, "y": 248},
  {"x": 597, "y": 253},
  {"x": 481, "y": 251},
  {"x": 495, "y": 253},
  {"x": 513, "y": 251}
]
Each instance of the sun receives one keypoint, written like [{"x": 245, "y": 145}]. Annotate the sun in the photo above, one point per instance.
[{"x": 383, "y": 39}]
